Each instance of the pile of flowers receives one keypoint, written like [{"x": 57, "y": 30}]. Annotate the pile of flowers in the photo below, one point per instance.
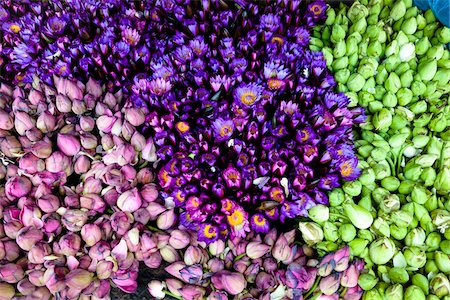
[
  {"x": 178, "y": 133},
  {"x": 248, "y": 129}
]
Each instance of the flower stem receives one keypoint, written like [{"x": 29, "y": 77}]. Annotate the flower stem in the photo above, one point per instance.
[
  {"x": 311, "y": 290},
  {"x": 240, "y": 256},
  {"x": 153, "y": 228},
  {"x": 172, "y": 295}
]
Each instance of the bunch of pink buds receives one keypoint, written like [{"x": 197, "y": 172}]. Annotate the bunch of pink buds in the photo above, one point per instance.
[
  {"x": 270, "y": 266},
  {"x": 77, "y": 193}
]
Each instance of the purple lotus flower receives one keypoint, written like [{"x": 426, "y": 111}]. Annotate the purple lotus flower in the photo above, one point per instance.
[
  {"x": 55, "y": 26},
  {"x": 247, "y": 95},
  {"x": 223, "y": 129}
]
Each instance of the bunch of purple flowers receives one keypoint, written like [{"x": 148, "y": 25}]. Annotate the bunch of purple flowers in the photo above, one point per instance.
[{"x": 247, "y": 127}]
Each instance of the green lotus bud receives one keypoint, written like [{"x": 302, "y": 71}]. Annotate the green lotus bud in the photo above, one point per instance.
[
  {"x": 382, "y": 119},
  {"x": 394, "y": 292},
  {"x": 375, "y": 106},
  {"x": 366, "y": 235},
  {"x": 404, "y": 96},
  {"x": 419, "y": 195},
  {"x": 373, "y": 31},
  {"x": 331, "y": 16},
  {"x": 328, "y": 55},
  {"x": 415, "y": 237},
  {"x": 326, "y": 247},
  {"x": 379, "y": 154},
  {"x": 398, "y": 275},
  {"x": 365, "y": 151},
  {"x": 393, "y": 83},
  {"x": 367, "y": 67},
  {"x": 434, "y": 146},
  {"x": 409, "y": 26},
  {"x": 435, "y": 52},
  {"x": 415, "y": 257},
  {"x": 358, "y": 26},
  {"x": 311, "y": 232},
  {"x": 412, "y": 171},
  {"x": 399, "y": 122},
  {"x": 336, "y": 197},
  {"x": 379, "y": 194},
  {"x": 342, "y": 76},
  {"x": 398, "y": 10},
  {"x": 420, "y": 212},
  {"x": 330, "y": 232},
  {"x": 319, "y": 213},
  {"x": 391, "y": 63},
  {"x": 442, "y": 261},
  {"x": 447, "y": 233},
  {"x": 357, "y": 246},
  {"x": 367, "y": 281},
  {"x": 438, "y": 123},
  {"x": 420, "y": 141},
  {"x": 431, "y": 267},
  {"x": 431, "y": 89},
  {"x": 390, "y": 203},
  {"x": 421, "y": 22},
  {"x": 422, "y": 46},
  {"x": 443, "y": 34},
  {"x": 340, "y": 63},
  {"x": 389, "y": 99},
  {"x": 406, "y": 187},
  {"x": 414, "y": 292},
  {"x": 419, "y": 107},
  {"x": 442, "y": 182},
  {"x": 390, "y": 183},
  {"x": 382, "y": 75},
  {"x": 432, "y": 202},
  {"x": 429, "y": 30},
  {"x": 357, "y": 11},
  {"x": 440, "y": 218},
  {"x": 428, "y": 177},
  {"x": 355, "y": 82},
  {"x": 381, "y": 227},
  {"x": 429, "y": 16},
  {"x": 360, "y": 217},
  {"x": 418, "y": 88},
  {"x": 407, "y": 52},
  {"x": 374, "y": 49},
  {"x": 326, "y": 33},
  {"x": 353, "y": 60},
  {"x": 445, "y": 247},
  {"x": 440, "y": 286},
  {"x": 339, "y": 49},
  {"x": 421, "y": 281},
  {"x": 351, "y": 45},
  {"x": 381, "y": 251},
  {"x": 407, "y": 78},
  {"x": 347, "y": 232},
  {"x": 401, "y": 218},
  {"x": 442, "y": 77},
  {"x": 337, "y": 33},
  {"x": 427, "y": 69},
  {"x": 392, "y": 48},
  {"x": 433, "y": 241}
]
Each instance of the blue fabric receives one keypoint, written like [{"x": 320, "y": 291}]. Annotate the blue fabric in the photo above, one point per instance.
[{"x": 440, "y": 8}]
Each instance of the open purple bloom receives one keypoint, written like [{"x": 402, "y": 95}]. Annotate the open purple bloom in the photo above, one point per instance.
[{"x": 55, "y": 26}]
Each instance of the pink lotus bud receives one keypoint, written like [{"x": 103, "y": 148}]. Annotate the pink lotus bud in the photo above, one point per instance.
[
  {"x": 38, "y": 252},
  {"x": 107, "y": 142},
  {"x": 138, "y": 141},
  {"x": 241, "y": 264},
  {"x": 68, "y": 245},
  {"x": 256, "y": 250},
  {"x": 135, "y": 116},
  {"x": 82, "y": 165},
  {"x": 58, "y": 162},
  {"x": 281, "y": 250},
  {"x": 145, "y": 176},
  {"x": 179, "y": 239},
  {"x": 36, "y": 277},
  {"x": 92, "y": 186},
  {"x": 192, "y": 274},
  {"x": 153, "y": 261},
  {"x": 28, "y": 236},
  {"x": 128, "y": 172},
  {"x": 155, "y": 209},
  {"x": 350, "y": 276},
  {"x": 35, "y": 97},
  {"x": 54, "y": 279},
  {"x": 100, "y": 251},
  {"x": 218, "y": 296},
  {"x": 141, "y": 216},
  {"x": 166, "y": 220},
  {"x": 102, "y": 291},
  {"x": 110, "y": 100},
  {"x": 7, "y": 290},
  {"x": 125, "y": 155},
  {"x": 87, "y": 123},
  {"x": 79, "y": 279},
  {"x": 68, "y": 144},
  {"x": 88, "y": 140},
  {"x": 30, "y": 215},
  {"x": 342, "y": 257},
  {"x": 48, "y": 203},
  {"x": 330, "y": 284},
  {"x": 72, "y": 201},
  {"x": 132, "y": 238},
  {"x": 149, "y": 192},
  {"x": 46, "y": 122},
  {"x": 270, "y": 264},
  {"x": 78, "y": 107},
  {"x": 130, "y": 201},
  {"x": 2, "y": 251},
  {"x": 17, "y": 187},
  {"x": 91, "y": 234},
  {"x": 162, "y": 239},
  {"x": 217, "y": 247},
  {"x": 63, "y": 104},
  {"x": 12, "y": 228},
  {"x": 23, "y": 122},
  {"x": 25, "y": 287},
  {"x": 101, "y": 109},
  {"x": 155, "y": 288},
  {"x": 42, "y": 149},
  {"x": 74, "y": 219},
  {"x": 174, "y": 269},
  {"x": 94, "y": 88},
  {"x": 192, "y": 292},
  {"x": 251, "y": 272},
  {"x": 126, "y": 280},
  {"x": 11, "y": 147},
  {"x": 127, "y": 131},
  {"x": 149, "y": 151},
  {"x": 6, "y": 121},
  {"x": 232, "y": 283},
  {"x": 68, "y": 88},
  {"x": 216, "y": 265},
  {"x": 11, "y": 273},
  {"x": 12, "y": 251},
  {"x": 34, "y": 135},
  {"x": 265, "y": 281},
  {"x": 121, "y": 222},
  {"x": 174, "y": 285},
  {"x": 31, "y": 164},
  {"x": 93, "y": 202},
  {"x": 105, "y": 123},
  {"x": 104, "y": 269},
  {"x": 354, "y": 293},
  {"x": 169, "y": 254},
  {"x": 120, "y": 251},
  {"x": 271, "y": 237}
]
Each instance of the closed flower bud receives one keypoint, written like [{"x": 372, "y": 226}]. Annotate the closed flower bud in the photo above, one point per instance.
[
  {"x": 91, "y": 234},
  {"x": 7, "y": 290},
  {"x": 31, "y": 164},
  {"x": 179, "y": 239},
  {"x": 63, "y": 104},
  {"x": 394, "y": 292},
  {"x": 27, "y": 237},
  {"x": 79, "y": 279},
  {"x": 156, "y": 289},
  {"x": 149, "y": 151},
  {"x": 414, "y": 292},
  {"x": 169, "y": 254},
  {"x": 88, "y": 140},
  {"x": 311, "y": 233},
  {"x": 82, "y": 165},
  {"x": 319, "y": 213},
  {"x": 216, "y": 248},
  {"x": 87, "y": 123},
  {"x": 382, "y": 119},
  {"x": 415, "y": 257},
  {"x": 440, "y": 285},
  {"x": 166, "y": 220},
  {"x": 135, "y": 116},
  {"x": 398, "y": 275},
  {"x": 442, "y": 182},
  {"x": 17, "y": 187},
  {"x": 407, "y": 52},
  {"x": 23, "y": 122},
  {"x": 256, "y": 250},
  {"x": 193, "y": 255},
  {"x": 129, "y": 201},
  {"x": 105, "y": 123},
  {"x": 427, "y": 70},
  {"x": 46, "y": 122},
  {"x": 367, "y": 281},
  {"x": 74, "y": 219},
  {"x": 232, "y": 283},
  {"x": 6, "y": 121},
  {"x": 360, "y": 217},
  {"x": 381, "y": 251},
  {"x": 11, "y": 273},
  {"x": 415, "y": 237},
  {"x": 347, "y": 232},
  {"x": 330, "y": 284}
]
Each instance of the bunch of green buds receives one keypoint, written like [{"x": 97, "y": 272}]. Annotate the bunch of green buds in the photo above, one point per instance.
[{"x": 390, "y": 58}]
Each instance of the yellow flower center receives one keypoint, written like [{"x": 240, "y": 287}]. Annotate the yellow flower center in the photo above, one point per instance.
[
  {"x": 62, "y": 69},
  {"x": 225, "y": 130},
  {"x": 227, "y": 205},
  {"x": 277, "y": 39},
  {"x": 305, "y": 135},
  {"x": 277, "y": 195},
  {"x": 346, "y": 169},
  {"x": 287, "y": 206},
  {"x": 271, "y": 212},
  {"x": 316, "y": 9},
  {"x": 248, "y": 98},
  {"x": 194, "y": 201},
  {"x": 258, "y": 220},
  {"x": 179, "y": 196},
  {"x": 14, "y": 28},
  {"x": 182, "y": 126},
  {"x": 209, "y": 231},
  {"x": 130, "y": 40},
  {"x": 165, "y": 176},
  {"x": 275, "y": 84},
  {"x": 236, "y": 218}
]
